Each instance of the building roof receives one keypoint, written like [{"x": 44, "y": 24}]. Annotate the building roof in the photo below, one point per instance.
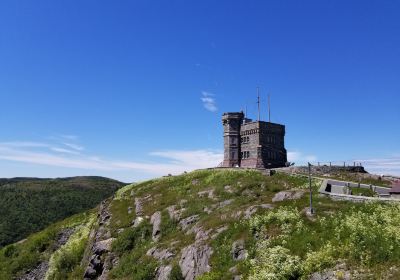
[{"x": 395, "y": 188}]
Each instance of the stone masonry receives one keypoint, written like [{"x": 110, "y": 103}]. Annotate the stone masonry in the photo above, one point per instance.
[{"x": 253, "y": 144}]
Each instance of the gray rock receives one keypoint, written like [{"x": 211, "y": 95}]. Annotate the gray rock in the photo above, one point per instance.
[
  {"x": 163, "y": 272},
  {"x": 138, "y": 207},
  {"x": 287, "y": 195},
  {"x": 103, "y": 246},
  {"x": 159, "y": 254},
  {"x": 195, "y": 182},
  {"x": 155, "y": 220},
  {"x": 206, "y": 193},
  {"x": 247, "y": 192},
  {"x": 175, "y": 214},
  {"x": 233, "y": 270},
  {"x": 225, "y": 203},
  {"x": 130, "y": 210},
  {"x": 219, "y": 231},
  {"x": 187, "y": 222},
  {"x": 239, "y": 253},
  {"x": 195, "y": 260},
  {"x": 228, "y": 189},
  {"x": 250, "y": 211},
  {"x": 137, "y": 221}
]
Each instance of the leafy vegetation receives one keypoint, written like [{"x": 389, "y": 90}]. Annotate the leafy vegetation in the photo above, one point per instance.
[
  {"x": 363, "y": 236},
  {"x": 17, "y": 258},
  {"x": 280, "y": 239},
  {"x": 28, "y": 205}
]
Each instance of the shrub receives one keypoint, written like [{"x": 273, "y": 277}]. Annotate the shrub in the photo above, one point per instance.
[
  {"x": 131, "y": 237},
  {"x": 274, "y": 263}
]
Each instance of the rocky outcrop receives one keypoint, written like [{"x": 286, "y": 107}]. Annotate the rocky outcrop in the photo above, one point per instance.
[
  {"x": 163, "y": 272},
  {"x": 195, "y": 260},
  {"x": 287, "y": 195},
  {"x": 101, "y": 261},
  {"x": 39, "y": 272},
  {"x": 137, "y": 221},
  {"x": 187, "y": 222},
  {"x": 175, "y": 214},
  {"x": 228, "y": 189},
  {"x": 250, "y": 211},
  {"x": 207, "y": 193},
  {"x": 138, "y": 207},
  {"x": 155, "y": 220},
  {"x": 239, "y": 253},
  {"x": 160, "y": 254}
]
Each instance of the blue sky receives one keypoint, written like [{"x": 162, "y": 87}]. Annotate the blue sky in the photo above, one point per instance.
[{"x": 136, "y": 89}]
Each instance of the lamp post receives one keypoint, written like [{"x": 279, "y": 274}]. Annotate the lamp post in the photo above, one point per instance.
[{"x": 310, "y": 182}]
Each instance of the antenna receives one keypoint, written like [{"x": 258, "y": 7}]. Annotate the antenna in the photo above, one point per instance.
[
  {"x": 258, "y": 102},
  {"x": 269, "y": 107}
]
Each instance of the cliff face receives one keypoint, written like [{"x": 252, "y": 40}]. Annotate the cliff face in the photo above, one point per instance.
[{"x": 217, "y": 224}]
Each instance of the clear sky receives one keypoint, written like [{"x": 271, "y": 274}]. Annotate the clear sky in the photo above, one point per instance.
[{"x": 136, "y": 89}]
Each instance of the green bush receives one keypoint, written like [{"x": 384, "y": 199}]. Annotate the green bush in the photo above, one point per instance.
[{"x": 131, "y": 237}]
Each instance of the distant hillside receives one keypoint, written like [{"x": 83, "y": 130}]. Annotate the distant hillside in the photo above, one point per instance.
[
  {"x": 215, "y": 225},
  {"x": 28, "y": 205}
]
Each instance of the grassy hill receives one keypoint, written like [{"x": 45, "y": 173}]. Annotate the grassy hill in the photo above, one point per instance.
[
  {"x": 216, "y": 224},
  {"x": 28, "y": 205}
]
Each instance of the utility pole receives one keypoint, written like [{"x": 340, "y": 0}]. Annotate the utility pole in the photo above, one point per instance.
[
  {"x": 312, "y": 212},
  {"x": 258, "y": 102}
]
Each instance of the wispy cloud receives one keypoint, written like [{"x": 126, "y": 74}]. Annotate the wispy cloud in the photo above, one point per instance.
[
  {"x": 175, "y": 161},
  {"x": 74, "y": 146},
  {"x": 385, "y": 166},
  {"x": 300, "y": 158},
  {"x": 209, "y": 101},
  {"x": 65, "y": 151}
]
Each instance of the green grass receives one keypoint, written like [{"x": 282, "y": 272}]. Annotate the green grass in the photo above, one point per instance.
[
  {"x": 17, "y": 258},
  {"x": 363, "y": 192},
  {"x": 282, "y": 243}
]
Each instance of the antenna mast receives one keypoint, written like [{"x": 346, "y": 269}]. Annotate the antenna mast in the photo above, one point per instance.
[
  {"x": 258, "y": 102},
  {"x": 269, "y": 107}
]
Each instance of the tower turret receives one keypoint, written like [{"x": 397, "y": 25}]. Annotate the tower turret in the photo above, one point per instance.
[{"x": 232, "y": 123}]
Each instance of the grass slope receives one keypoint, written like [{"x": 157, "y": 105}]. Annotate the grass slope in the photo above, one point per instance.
[
  {"x": 283, "y": 243},
  {"x": 356, "y": 239},
  {"x": 28, "y": 205}
]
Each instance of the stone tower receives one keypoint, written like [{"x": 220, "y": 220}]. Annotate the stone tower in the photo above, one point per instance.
[
  {"x": 232, "y": 123},
  {"x": 253, "y": 144}
]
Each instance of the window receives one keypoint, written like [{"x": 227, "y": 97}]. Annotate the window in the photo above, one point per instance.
[{"x": 245, "y": 154}]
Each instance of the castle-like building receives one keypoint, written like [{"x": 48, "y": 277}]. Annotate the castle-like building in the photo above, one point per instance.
[{"x": 253, "y": 144}]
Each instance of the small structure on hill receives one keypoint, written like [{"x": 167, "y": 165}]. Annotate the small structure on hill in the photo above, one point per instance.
[
  {"x": 395, "y": 190},
  {"x": 253, "y": 144}
]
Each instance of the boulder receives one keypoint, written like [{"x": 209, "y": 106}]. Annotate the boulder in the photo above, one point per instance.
[
  {"x": 163, "y": 272},
  {"x": 239, "y": 253},
  {"x": 187, "y": 222},
  {"x": 225, "y": 203},
  {"x": 206, "y": 193},
  {"x": 228, "y": 189},
  {"x": 175, "y": 214},
  {"x": 155, "y": 220},
  {"x": 195, "y": 260},
  {"x": 138, "y": 207},
  {"x": 287, "y": 195},
  {"x": 137, "y": 221},
  {"x": 160, "y": 254},
  {"x": 103, "y": 246}
]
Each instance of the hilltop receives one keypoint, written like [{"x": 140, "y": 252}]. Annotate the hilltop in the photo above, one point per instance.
[
  {"x": 28, "y": 205},
  {"x": 215, "y": 224}
]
